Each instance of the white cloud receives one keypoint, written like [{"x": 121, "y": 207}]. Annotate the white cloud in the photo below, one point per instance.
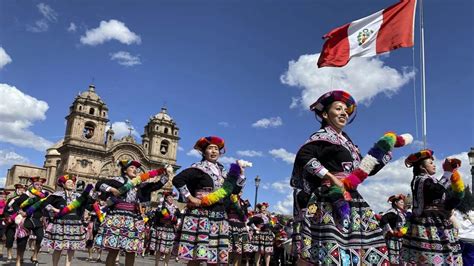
[
  {"x": 285, "y": 206},
  {"x": 9, "y": 158},
  {"x": 268, "y": 122},
  {"x": 110, "y": 30},
  {"x": 47, "y": 12},
  {"x": 364, "y": 78},
  {"x": 227, "y": 160},
  {"x": 72, "y": 27},
  {"x": 223, "y": 124},
  {"x": 17, "y": 115},
  {"x": 42, "y": 25},
  {"x": 284, "y": 155},
  {"x": 283, "y": 186},
  {"x": 194, "y": 153},
  {"x": 2, "y": 182},
  {"x": 4, "y": 58},
  {"x": 180, "y": 148},
  {"x": 121, "y": 130},
  {"x": 395, "y": 178},
  {"x": 250, "y": 153},
  {"x": 125, "y": 58}
]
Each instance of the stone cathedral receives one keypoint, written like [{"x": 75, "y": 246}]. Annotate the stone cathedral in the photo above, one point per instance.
[{"x": 90, "y": 151}]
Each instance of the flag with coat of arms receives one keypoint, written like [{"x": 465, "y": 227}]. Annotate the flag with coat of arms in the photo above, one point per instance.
[{"x": 383, "y": 31}]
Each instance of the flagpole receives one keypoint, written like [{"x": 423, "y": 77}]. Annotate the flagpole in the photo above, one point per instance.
[{"x": 423, "y": 80}]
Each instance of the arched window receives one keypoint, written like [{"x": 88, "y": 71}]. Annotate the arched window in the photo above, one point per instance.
[
  {"x": 89, "y": 129},
  {"x": 164, "y": 147},
  {"x": 91, "y": 111},
  {"x": 80, "y": 107},
  {"x": 103, "y": 114},
  {"x": 166, "y": 130}
]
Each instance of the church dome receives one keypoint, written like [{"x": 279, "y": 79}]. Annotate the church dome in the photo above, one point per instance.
[{"x": 162, "y": 115}]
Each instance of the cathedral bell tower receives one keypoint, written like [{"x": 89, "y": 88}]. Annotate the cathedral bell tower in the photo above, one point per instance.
[
  {"x": 87, "y": 120},
  {"x": 160, "y": 139},
  {"x": 84, "y": 142}
]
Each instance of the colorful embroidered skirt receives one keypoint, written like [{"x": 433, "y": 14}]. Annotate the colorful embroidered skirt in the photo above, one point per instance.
[
  {"x": 204, "y": 236},
  {"x": 431, "y": 240},
  {"x": 262, "y": 241},
  {"x": 67, "y": 233},
  {"x": 239, "y": 238},
  {"x": 162, "y": 238},
  {"x": 394, "y": 246},
  {"x": 122, "y": 230},
  {"x": 329, "y": 240}
]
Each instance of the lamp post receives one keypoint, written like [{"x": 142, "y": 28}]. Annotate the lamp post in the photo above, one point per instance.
[
  {"x": 257, "y": 183},
  {"x": 471, "y": 162}
]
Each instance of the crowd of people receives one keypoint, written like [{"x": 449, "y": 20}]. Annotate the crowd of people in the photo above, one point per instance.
[{"x": 332, "y": 224}]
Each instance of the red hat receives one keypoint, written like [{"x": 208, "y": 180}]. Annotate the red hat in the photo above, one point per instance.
[
  {"x": 418, "y": 156},
  {"x": 328, "y": 98},
  {"x": 17, "y": 186},
  {"x": 394, "y": 198},
  {"x": 124, "y": 164},
  {"x": 62, "y": 179},
  {"x": 35, "y": 179},
  {"x": 259, "y": 205},
  {"x": 203, "y": 142}
]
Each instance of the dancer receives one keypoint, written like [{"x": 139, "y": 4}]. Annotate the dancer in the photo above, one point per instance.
[
  {"x": 123, "y": 227},
  {"x": 65, "y": 230},
  {"x": 262, "y": 236},
  {"x": 430, "y": 236},
  {"x": 163, "y": 228},
  {"x": 337, "y": 230},
  {"x": 10, "y": 226},
  {"x": 239, "y": 235},
  {"x": 392, "y": 222},
  {"x": 29, "y": 223},
  {"x": 205, "y": 185}
]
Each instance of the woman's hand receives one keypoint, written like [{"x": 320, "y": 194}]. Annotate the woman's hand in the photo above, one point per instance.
[
  {"x": 194, "y": 202},
  {"x": 334, "y": 180},
  {"x": 115, "y": 191}
]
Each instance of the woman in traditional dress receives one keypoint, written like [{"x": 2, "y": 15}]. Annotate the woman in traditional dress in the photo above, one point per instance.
[
  {"x": 262, "y": 235},
  {"x": 239, "y": 234},
  {"x": 392, "y": 222},
  {"x": 163, "y": 229},
  {"x": 65, "y": 230},
  {"x": 329, "y": 236},
  {"x": 123, "y": 228},
  {"x": 205, "y": 230},
  {"x": 30, "y": 223},
  {"x": 10, "y": 226},
  {"x": 431, "y": 238}
]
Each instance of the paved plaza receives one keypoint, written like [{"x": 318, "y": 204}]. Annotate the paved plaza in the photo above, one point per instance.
[{"x": 80, "y": 259}]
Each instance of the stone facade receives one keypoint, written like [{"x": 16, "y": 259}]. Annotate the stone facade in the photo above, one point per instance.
[{"x": 90, "y": 151}]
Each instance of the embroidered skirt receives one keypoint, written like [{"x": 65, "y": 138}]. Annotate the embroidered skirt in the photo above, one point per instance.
[
  {"x": 122, "y": 229},
  {"x": 262, "y": 241},
  {"x": 239, "y": 238},
  {"x": 67, "y": 233},
  {"x": 431, "y": 239},
  {"x": 162, "y": 238},
  {"x": 204, "y": 236},
  {"x": 329, "y": 240},
  {"x": 394, "y": 245}
]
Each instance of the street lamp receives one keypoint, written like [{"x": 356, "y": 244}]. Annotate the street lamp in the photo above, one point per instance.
[
  {"x": 471, "y": 162},
  {"x": 257, "y": 183}
]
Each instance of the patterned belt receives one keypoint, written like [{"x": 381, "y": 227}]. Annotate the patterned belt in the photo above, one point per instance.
[{"x": 126, "y": 206}]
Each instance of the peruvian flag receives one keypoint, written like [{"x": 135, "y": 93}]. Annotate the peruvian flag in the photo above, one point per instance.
[{"x": 386, "y": 30}]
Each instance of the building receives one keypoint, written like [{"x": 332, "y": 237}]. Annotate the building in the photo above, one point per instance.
[{"x": 90, "y": 151}]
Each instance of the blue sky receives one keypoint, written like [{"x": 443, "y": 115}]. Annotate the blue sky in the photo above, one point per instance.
[{"x": 242, "y": 70}]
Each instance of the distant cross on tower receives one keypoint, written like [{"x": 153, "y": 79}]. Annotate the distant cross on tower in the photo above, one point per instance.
[{"x": 130, "y": 128}]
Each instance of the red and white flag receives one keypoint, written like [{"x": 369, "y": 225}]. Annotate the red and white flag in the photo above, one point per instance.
[{"x": 386, "y": 30}]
